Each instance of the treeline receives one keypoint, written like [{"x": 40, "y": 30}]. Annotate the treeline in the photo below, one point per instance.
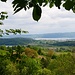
[
  {"x": 65, "y": 43},
  {"x": 31, "y": 60},
  {"x": 29, "y": 41},
  {"x": 15, "y": 41}
]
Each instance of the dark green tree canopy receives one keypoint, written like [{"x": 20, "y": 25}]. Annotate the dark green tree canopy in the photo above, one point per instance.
[{"x": 38, "y": 4}]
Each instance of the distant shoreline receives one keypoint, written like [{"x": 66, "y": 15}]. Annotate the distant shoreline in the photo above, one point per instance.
[{"x": 61, "y": 39}]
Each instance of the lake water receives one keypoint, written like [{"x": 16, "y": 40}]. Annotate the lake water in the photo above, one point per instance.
[{"x": 64, "y": 39}]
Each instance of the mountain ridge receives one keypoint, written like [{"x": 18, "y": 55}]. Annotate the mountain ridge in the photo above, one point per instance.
[{"x": 46, "y": 35}]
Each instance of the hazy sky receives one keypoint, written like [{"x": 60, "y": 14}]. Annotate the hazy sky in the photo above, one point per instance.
[{"x": 52, "y": 20}]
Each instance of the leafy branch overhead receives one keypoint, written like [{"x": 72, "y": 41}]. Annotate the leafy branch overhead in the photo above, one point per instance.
[
  {"x": 3, "y": 16},
  {"x": 13, "y": 31},
  {"x": 38, "y": 4}
]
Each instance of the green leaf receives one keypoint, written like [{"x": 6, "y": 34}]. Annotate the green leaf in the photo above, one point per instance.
[
  {"x": 18, "y": 31},
  {"x": 34, "y": 2},
  {"x": 46, "y": 2},
  {"x": 17, "y": 10},
  {"x": 58, "y": 3},
  {"x": 30, "y": 4},
  {"x": 3, "y": 0},
  {"x": 6, "y": 17},
  {"x": 2, "y": 17},
  {"x": 7, "y": 33},
  {"x": 73, "y": 9},
  {"x": 24, "y": 31},
  {"x": 51, "y": 4},
  {"x": 40, "y": 2},
  {"x": 4, "y": 12},
  {"x": 16, "y": 7},
  {"x": 1, "y": 23},
  {"x": 36, "y": 12},
  {"x": 1, "y": 31},
  {"x": 68, "y": 5}
]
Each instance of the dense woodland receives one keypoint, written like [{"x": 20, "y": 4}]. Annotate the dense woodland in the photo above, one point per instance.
[{"x": 37, "y": 60}]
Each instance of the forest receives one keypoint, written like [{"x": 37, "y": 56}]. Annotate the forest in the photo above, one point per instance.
[
  {"x": 36, "y": 57},
  {"x": 37, "y": 60}
]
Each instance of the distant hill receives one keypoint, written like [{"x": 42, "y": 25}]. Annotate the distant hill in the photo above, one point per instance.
[
  {"x": 29, "y": 41},
  {"x": 47, "y": 35},
  {"x": 15, "y": 41},
  {"x": 59, "y": 35}
]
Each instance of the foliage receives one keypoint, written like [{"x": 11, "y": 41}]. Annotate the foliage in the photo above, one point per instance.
[
  {"x": 24, "y": 71},
  {"x": 11, "y": 69},
  {"x": 15, "y": 41},
  {"x": 63, "y": 64},
  {"x": 3, "y": 47},
  {"x": 40, "y": 52},
  {"x": 3, "y": 16},
  {"x": 37, "y": 10},
  {"x": 44, "y": 62},
  {"x": 65, "y": 46},
  {"x": 30, "y": 52},
  {"x": 38, "y": 4},
  {"x": 11, "y": 31},
  {"x": 44, "y": 72},
  {"x": 15, "y": 31},
  {"x": 33, "y": 66},
  {"x": 50, "y": 53}
]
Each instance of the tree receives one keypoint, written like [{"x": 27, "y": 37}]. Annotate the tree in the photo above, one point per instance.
[
  {"x": 30, "y": 66},
  {"x": 44, "y": 72},
  {"x": 63, "y": 65},
  {"x": 38, "y": 4},
  {"x": 31, "y": 53},
  {"x": 50, "y": 53},
  {"x": 3, "y": 47},
  {"x": 11, "y": 69}
]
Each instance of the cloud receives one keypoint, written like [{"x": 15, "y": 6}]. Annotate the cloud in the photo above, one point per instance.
[{"x": 52, "y": 20}]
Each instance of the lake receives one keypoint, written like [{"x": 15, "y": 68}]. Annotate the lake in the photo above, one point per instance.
[{"x": 62, "y": 39}]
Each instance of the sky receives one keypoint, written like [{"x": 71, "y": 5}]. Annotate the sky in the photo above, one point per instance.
[{"x": 52, "y": 20}]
